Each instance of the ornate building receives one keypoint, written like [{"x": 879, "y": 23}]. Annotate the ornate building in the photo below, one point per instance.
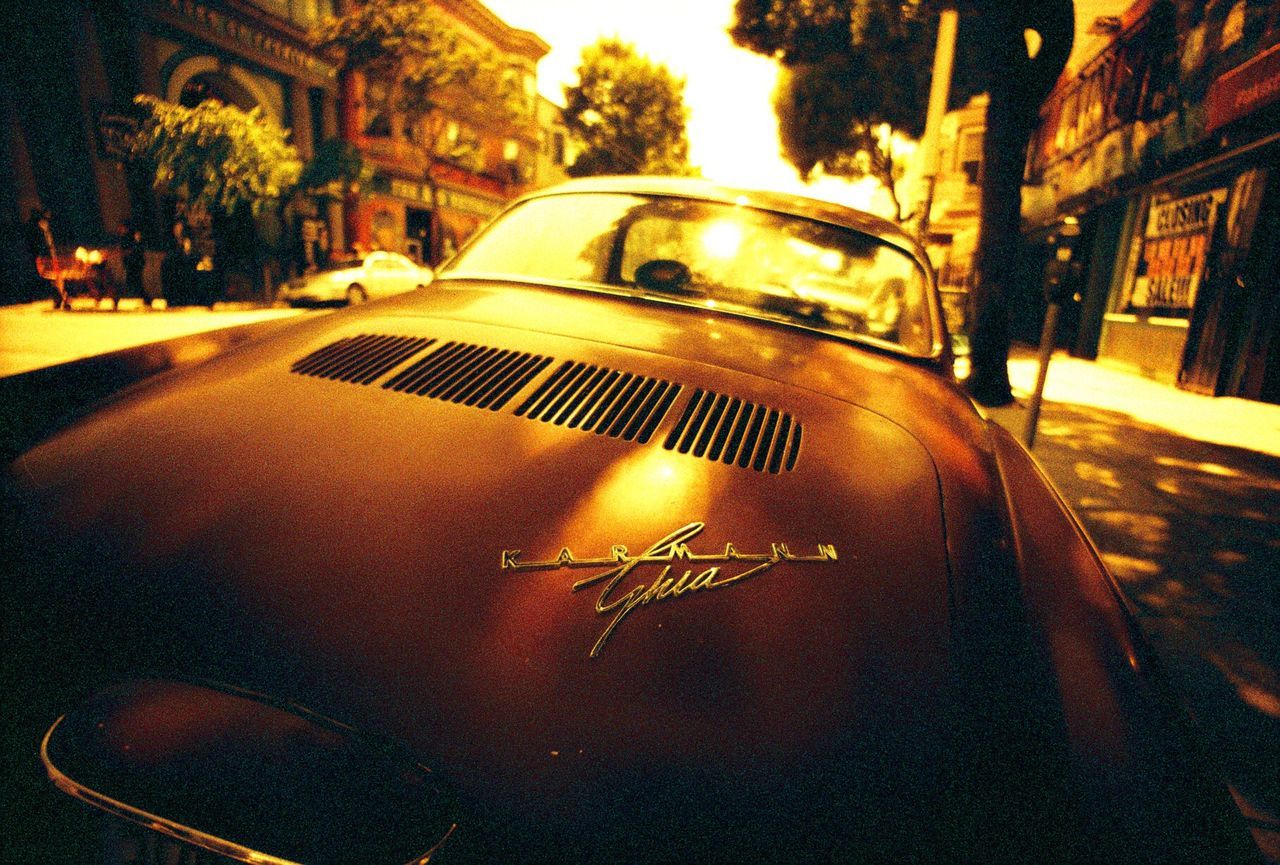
[
  {"x": 66, "y": 105},
  {"x": 476, "y": 165},
  {"x": 69, "y": 84}
]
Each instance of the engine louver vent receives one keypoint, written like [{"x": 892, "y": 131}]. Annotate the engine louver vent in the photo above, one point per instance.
[
  {"x": 473, "y": 375},
  {"x": 730, "y": 430},
  {"x": 601, "y": 400},
  {"x": 360, "y": 359}
]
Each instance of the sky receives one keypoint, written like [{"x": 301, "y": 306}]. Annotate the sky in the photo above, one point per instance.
[{"x": 733, "y": 135}]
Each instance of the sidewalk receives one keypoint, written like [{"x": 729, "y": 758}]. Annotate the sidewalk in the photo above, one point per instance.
[
  {"x": 35, "y": 335},
  {"x": 1181, "y": 493}
]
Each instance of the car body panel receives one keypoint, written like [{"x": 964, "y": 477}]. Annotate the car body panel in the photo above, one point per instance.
[{"x": 890, "y": 641}]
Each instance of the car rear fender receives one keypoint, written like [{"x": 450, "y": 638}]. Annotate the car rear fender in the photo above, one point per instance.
[{"x": 1142, "y": 780}]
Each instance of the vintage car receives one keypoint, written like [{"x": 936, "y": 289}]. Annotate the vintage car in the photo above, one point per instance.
[
  {"x": 352, "y": 280},
  {"x": 656, "y": 530}
]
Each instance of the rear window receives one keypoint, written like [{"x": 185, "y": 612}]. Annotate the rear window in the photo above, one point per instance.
[{"x": 711, "y": 254}]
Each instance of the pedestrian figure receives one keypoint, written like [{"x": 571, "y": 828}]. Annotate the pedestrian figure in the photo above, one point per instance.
[
  {"x": 44, "y": 252},
  {"x": 135, "y": 262},
  {"x": 177, "y": 272},
  {"x": 320, "y": 248}
]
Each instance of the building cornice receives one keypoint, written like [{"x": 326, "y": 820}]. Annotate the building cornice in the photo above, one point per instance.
[
  {"x": 488, "y": 24},
  {"x": 239, "y": 28}
]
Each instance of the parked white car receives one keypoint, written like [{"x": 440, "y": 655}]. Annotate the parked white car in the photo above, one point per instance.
[{"x": 355, "y": 280}]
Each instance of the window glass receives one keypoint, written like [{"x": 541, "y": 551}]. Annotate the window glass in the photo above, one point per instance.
[{"x": 714, "y": 255}]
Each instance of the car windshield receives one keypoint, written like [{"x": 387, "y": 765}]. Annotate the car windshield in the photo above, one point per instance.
[{"x": 766, "y": 264}]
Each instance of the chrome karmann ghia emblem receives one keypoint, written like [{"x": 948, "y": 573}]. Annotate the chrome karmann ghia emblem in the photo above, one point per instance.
[{"x": 664, "y": 586}]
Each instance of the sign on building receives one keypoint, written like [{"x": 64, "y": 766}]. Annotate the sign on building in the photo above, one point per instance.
[{"x": 1175, "y": 245}]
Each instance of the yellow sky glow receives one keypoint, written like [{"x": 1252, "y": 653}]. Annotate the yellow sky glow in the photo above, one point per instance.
[{"x": 733, "y": 135}]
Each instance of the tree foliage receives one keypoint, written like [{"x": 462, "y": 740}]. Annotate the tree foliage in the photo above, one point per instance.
[
  {"x": 335, "y": 167},
  {"x": 856, "y": 75},
  {"x": 422, "y": 65},
  {"x": 626, "y": 114},
  {"x": 217, "y": 156},
  {"x": 821, "y": 128},
  {"x": 876, "y": 56}
]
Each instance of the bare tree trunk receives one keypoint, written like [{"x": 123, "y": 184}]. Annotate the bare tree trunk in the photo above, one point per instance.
[
  {"x": 1018, "y": 85},
  {"x": 882, "y": 162}
]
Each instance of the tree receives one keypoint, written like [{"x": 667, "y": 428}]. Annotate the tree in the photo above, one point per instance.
[
  {"x": 425, "y": 71},
  {"x": 234, "y": 165},
  {"x": 626, "y": 114},
  {"x": 820, "y": 127},
  {"x": 216, "y": 156},
  {"x": 334, "y": 168},
  {"x": 881, "y": 51},
  {"x": 1018, "y": 83}
]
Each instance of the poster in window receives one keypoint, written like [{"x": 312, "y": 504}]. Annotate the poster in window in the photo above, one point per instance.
[{"x": 1175, "y": 245}]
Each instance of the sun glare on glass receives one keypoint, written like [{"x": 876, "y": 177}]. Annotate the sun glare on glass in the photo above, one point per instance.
[{"x": 722, "y": 239}]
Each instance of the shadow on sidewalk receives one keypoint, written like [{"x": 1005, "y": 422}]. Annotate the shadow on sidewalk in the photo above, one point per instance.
[{"x": 1191, "y": 531}]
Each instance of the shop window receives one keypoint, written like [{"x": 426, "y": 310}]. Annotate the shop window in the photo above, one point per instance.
[{"x": 969, "y": 155}]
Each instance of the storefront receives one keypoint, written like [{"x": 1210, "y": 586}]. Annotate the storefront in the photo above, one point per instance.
[
  {"x": 1171, "y": 177},
  {"x": 1196, "y": 298},
  {"x": 399, "y": 215}
]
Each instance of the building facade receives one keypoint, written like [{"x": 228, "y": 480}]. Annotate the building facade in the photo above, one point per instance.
[
  {"x": 1155, "y": 170},
  {"x": 452, "y": 174},
  {"x": 67, "y": 103},
  {"x": 952, "y": 238},
  {"x": 67, "y": 108},
  {"x": 554, "y": 145}
]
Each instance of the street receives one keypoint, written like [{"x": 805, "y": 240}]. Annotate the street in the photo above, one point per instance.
[
  {"x": 1181, "y": 494},
  {"x": 35, "y": 335}
]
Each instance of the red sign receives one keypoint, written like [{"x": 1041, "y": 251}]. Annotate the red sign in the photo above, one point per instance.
[{"x": 1244, "y": 89}]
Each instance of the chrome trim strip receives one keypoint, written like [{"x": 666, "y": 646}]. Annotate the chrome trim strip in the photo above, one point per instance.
[
  {"x": 935, "y": 354},
  {"x": 177, "y": 831}
]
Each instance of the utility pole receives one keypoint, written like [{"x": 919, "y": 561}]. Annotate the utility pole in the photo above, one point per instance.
[{"x": 939, "y": 91}]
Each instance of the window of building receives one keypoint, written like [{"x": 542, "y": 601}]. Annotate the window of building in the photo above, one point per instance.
[
  {"x": 377, "y": 120},
  {"x": 969, "y": 154},
  {"x": 1068, "y": 134},
  {"x": 530, "y": 93}
]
